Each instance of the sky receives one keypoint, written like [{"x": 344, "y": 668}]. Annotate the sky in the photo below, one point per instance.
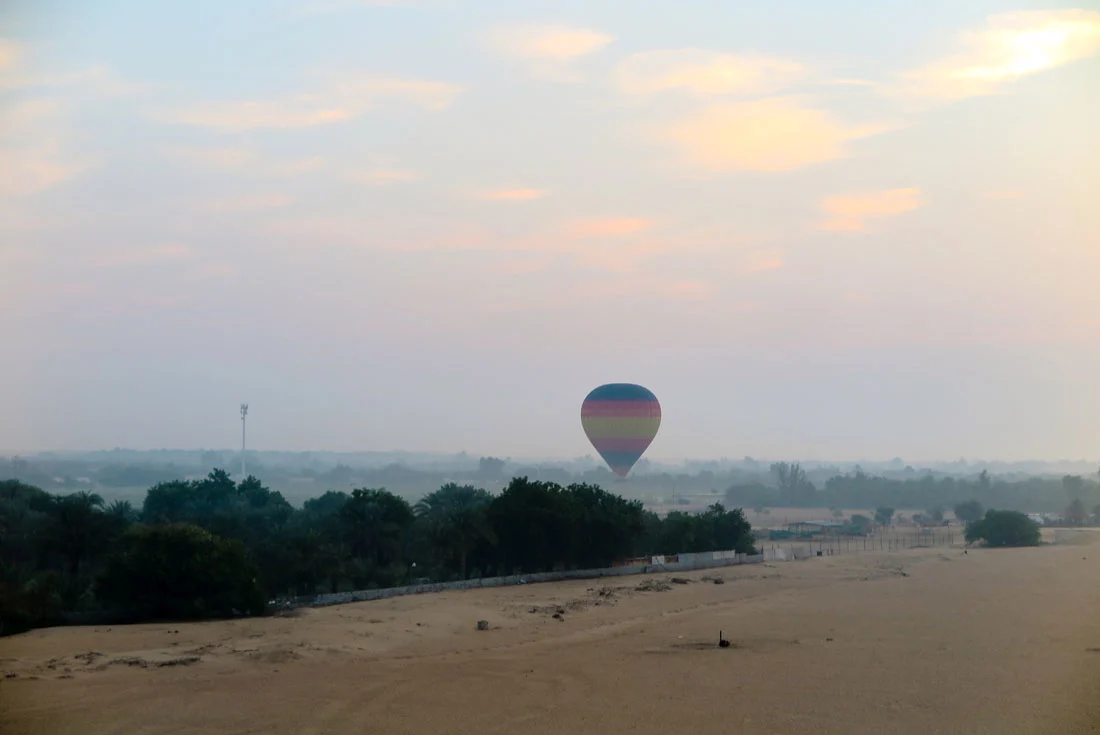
[{"x": 818, "y": 230}]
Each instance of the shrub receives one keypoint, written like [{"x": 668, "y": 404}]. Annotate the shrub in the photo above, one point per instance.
[{"x": 1004, "y": 528}]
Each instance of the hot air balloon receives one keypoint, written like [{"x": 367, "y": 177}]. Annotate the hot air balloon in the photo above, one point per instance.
[{"x": 621, "y": 420}]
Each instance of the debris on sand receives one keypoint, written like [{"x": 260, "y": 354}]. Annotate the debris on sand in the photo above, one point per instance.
[
  {"x": 483, "y": 625},
  {"x": 719, "y": 580},
  {"x": 680, "y": 580},
  {"x": 653, "y": 585},
  {"x": 142, "y": 663}
]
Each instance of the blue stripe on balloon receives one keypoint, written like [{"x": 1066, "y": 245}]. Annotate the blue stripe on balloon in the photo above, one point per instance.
[
  {"x": 620, "y": 459},
  {"x": 621, "y": 392}
]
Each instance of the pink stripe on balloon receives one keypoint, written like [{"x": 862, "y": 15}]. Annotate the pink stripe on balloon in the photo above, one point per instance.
[
  {"x": 635, "y": 444},
  {"x": 630, "y": 409}
]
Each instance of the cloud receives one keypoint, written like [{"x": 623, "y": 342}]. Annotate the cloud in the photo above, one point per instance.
[
  {"x": 546, "y": 41},
  {"x": 218, "y": 270},
  {"x": 338, "y": 99},
  {"x": 512, "y": 195},
  {"x": 164, "y": 252},
  {"x": 246, "y": 162},
  {"x": 704, "y": 73},
  {"x": 9, "y": 54},
  {"x": 383, "y": 177},
  {"x": 608, "y": 227},
  {"x": 774, "y": 134},
  {"x": 31, "y": 170},
  {"x": 686, "y": 290},
  {"x": 238, "y": 116},
  {"x": 32, "y": 156},
  {"x": 550, "y": 51},
  {"x": 17, "y": 74},
  {"x": 246, "y": 203},
  {"x": 851, "y": 212},
  {"x": 764, "y": 260},
  {"x": 317, "y": 7},
  {"x": 1011, "y": 46}
]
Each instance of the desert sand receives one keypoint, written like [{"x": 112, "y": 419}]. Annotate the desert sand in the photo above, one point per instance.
[{"x": 916, "y": 641}]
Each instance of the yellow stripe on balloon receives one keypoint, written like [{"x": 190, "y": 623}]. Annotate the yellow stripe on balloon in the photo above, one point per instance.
[{"x": 628, "y": 427}]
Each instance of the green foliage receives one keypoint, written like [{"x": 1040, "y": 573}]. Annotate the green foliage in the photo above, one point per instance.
[
  {"x": 969, "y": 511},
  {"x": 214, "y": 547},
  {"x": 884, "y": 515},
  {"x": 179, "y": 571},
  {"x": 1004, "y": 528},
  {"x": 532, "y": 524},
  {"x": 454, "y": 520},
  {"x": 715, "y": 529},
  {"x": 28, "y": 600},
  {"x": 861, "y": 525},
  {"x": 373, "y": 524}
]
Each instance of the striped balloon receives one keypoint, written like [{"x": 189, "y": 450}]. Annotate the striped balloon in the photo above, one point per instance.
[{"x": 621, "y": 420}]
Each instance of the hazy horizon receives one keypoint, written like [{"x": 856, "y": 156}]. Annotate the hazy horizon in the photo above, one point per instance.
[
  {"x": 416, "y": 459},
  {"x": 812, "y": 230}
]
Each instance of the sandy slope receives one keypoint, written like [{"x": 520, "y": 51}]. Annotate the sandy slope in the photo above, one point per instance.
[{"x": 920, "y": 641}]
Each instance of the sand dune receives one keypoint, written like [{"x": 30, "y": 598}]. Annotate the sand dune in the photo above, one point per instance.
[{"x": 919, "y": 641}]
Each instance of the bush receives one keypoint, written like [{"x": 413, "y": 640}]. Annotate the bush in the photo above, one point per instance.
[
  {"x": 179, "y": 571},
  {"x": 1004, "y": 528}
]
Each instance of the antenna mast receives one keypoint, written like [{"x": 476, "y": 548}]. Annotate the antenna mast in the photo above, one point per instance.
[{"x": 244, "y": 415}]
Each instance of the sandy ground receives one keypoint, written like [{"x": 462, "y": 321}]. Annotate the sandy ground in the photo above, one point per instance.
[{"x": 918, "y": 641}]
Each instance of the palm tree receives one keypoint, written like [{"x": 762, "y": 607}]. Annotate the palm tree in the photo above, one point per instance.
[
  {"x": 123, "y": 509},
  {"x": 456, "y": 518},
  {"x": 78, "y": 528}
]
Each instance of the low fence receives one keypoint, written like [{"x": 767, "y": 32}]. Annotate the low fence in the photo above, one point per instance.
[{"x": 682, "y": 563}]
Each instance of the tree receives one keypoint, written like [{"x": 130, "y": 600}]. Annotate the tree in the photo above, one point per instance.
[
  {"x": 490, "y": 467},
  {"x": 1004, "y": 528},
  {"x": 179, "y": 571},
  {"x": 605, "y": 526},
  {"x": 78, "y": 528},
  {"x": 935, "y": 515},
  {"x": 532, "y": 522},
  {"x": 123, "y": 510},
  {"x": 1076, "y": 513},
  {"x": 969, "y": 511},
  {"x": 1073, "y": 485},
  {"x": 884, "y": 515},
  {"x": 1096, "y": 514},
  {"x": 456, "y": 519},
  {"x": 794, "y": 487},
  {"x": 731, "y": 530},
  {"x": 374, "y": 522},
  {"x": 861, "y": 524}
]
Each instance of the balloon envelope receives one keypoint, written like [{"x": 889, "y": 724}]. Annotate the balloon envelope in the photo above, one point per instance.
[{"x": 621, "y": 420}]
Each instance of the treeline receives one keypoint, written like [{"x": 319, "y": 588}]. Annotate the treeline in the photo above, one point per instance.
[
  {"x": 858, "y": 489},
  {"x": 216, "y": 547}
]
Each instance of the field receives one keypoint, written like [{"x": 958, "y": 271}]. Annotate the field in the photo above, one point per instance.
[{"x": 913, "y": 641}]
